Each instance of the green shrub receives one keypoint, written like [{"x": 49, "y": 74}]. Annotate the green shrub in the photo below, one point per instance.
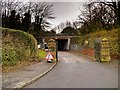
[
  {"x": 17, "y": 45},
  {"x": 112, "y": 35},
  {"x": 9, "y": 56}
]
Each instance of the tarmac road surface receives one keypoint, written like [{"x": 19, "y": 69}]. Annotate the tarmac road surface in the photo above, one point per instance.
[{"x": 73, "y": 71}]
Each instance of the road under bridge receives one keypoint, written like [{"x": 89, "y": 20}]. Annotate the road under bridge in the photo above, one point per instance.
[{"x": 64, "y": 41}]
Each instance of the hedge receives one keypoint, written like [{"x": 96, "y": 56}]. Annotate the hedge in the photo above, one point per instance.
[{"x": 17, "y": 45}]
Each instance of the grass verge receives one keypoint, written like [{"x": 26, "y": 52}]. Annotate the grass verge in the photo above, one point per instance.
[{"x": 41, "y": 54}]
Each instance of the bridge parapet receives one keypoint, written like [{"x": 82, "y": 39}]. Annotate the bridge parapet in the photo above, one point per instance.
[{"x": 64, "y": 35}]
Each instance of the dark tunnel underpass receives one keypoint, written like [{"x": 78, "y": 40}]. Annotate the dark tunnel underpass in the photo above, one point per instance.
[{"x": 62, "y": 44}]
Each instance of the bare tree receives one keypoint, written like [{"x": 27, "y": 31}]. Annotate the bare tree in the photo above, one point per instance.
[
  {"x": 99, "y": 15},
  {"x": 31, "y": 17},
  {"x": 42, "y": 13},
  {"x": 7, "y": 9}
]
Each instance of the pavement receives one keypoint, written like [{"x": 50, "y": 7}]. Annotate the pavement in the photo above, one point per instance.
[{"x": 24, "y": 76}]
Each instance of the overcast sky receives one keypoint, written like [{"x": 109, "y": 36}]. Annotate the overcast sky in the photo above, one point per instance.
[{"x": 65, "y": 11}]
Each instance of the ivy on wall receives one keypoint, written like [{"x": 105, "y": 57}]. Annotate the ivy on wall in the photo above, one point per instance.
[{"x": 113, "y": 37}]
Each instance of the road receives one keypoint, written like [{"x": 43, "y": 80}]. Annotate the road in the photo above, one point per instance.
[{"x": 73, "y": 71}]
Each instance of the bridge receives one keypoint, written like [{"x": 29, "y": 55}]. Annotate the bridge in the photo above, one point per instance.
[{"x": 64, "y": 40}]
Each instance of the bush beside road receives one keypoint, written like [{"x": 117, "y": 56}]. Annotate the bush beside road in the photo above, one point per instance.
[
  {"x": 19, "y": 49},
  {"x": 112, "y": 36}
]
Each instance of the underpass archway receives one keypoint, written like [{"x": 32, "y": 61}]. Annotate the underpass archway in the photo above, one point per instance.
[{"x": 63, "y": 44}]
